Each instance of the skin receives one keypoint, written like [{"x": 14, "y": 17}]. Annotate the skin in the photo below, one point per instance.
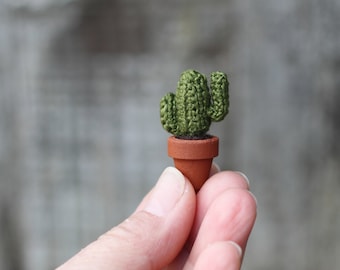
[{"x": 173, "y": 228}]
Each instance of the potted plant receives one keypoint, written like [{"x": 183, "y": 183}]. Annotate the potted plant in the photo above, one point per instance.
[{"x": 187, "y": 114}]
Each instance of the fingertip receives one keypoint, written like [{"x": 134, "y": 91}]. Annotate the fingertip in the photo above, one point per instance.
[
  {"x": 226, "y": 180},
  {"x": 224, "y": 224}
]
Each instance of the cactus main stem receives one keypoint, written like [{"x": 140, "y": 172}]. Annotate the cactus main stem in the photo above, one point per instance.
[{"x": 192, "y": 103}]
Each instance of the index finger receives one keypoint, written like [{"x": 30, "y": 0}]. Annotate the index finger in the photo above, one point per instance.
[{"x": 215, "y": 185}]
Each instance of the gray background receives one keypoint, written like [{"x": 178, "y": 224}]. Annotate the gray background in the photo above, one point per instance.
[{"x": 80, "y": 138}]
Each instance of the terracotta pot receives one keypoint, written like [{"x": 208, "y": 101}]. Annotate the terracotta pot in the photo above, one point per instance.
[{"x": 193, "y": 157}]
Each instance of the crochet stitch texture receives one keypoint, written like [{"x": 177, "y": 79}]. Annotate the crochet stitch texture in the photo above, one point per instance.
[{"x": 189, "y": 112}]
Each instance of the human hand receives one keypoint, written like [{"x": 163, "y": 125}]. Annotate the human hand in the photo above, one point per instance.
[{"x": 173, "y": 228}]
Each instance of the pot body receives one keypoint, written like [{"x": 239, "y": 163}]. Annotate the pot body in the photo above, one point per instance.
[{"x": 193, "y": 157}]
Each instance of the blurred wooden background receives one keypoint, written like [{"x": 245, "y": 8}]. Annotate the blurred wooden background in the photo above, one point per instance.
[{"x": 80, "y": 138}]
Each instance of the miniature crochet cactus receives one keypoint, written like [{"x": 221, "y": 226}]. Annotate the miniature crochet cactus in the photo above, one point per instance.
[{"x": 190, "y": 111}]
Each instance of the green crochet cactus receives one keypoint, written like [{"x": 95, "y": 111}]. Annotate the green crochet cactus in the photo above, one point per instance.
[{"x": 189, "y": 112}]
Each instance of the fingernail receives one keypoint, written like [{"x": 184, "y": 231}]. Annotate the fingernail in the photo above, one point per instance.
[
  {"x": 217, "y": 167},
  {"x": 245, "y": 177},
  {"x": 238, "y": 248},
  {"x": 214, "y": 169},
  {"x": 167, "y": 192},
  {"x": 255, "y": 199}
]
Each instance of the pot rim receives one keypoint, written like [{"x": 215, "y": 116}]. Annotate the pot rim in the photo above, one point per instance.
[{"x": 193, "y": 149}]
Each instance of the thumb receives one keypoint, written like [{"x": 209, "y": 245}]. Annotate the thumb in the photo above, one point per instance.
[{"x": 152, "y": 236}]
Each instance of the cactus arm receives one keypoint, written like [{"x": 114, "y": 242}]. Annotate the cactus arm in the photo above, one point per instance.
[
  {"x": 219, "y": 96},
  {"x": 168, "y": 113}
]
